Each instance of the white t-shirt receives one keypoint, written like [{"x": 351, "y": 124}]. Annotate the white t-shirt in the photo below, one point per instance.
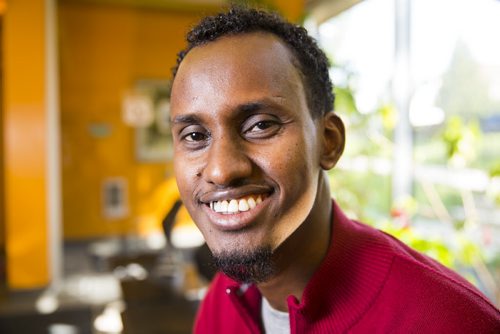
[{"x": 275, "y": 322}]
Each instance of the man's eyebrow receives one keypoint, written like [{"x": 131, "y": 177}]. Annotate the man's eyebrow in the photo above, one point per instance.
[
  {"x": 185, "y": 119},
  {"x": 252, "y": 106},
  {"x": 258, "y": 105}
]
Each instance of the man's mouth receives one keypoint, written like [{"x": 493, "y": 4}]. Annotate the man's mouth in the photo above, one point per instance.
[{"x": 234, "y": 206}]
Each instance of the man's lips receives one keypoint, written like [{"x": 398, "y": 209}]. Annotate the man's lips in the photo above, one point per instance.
[
  {"x": 234, "y": 193},
  {"x": 234, "y": 209}
]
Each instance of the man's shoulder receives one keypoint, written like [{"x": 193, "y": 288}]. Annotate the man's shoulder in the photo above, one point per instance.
[
  {"x": 417, "y": 274},
  {"x": 411, "y": 268},
  {"x": 416, "y": 295},
  {"x": 420, "y": 292},
  {"x": 415, "y": 291}
]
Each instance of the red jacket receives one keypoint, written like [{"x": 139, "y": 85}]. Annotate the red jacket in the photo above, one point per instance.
[{"x": 369, "y": 282}]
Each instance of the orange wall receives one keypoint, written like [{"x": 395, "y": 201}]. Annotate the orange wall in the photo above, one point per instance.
[
  {"x": 103, "y": 51},
  {"x": 25, "y": 143}
]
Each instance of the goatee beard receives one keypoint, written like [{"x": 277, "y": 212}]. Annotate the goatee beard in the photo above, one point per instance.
[{"x": 254, "y": 266}]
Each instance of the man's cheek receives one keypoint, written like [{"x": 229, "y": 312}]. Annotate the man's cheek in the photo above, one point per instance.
[{"x": 183, "y": 186}]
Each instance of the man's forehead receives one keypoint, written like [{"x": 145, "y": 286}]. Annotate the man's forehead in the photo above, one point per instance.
[
  {"x": 242, "y": 52},
  {"x": 249, "y": 63}
]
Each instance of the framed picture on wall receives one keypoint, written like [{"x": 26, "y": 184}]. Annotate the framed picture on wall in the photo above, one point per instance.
[{"x": 153, "y": 136}]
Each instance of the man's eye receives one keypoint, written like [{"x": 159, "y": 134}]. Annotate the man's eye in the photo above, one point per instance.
[
  {"x": 262, "y": 126},
  {"x": 195, "y": 137},
  {"x": 262, "y": 129}
]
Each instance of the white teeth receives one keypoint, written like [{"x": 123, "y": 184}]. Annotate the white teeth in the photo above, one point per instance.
[
  {"x": 235, "y": 206},
  {"x": 243, "y": 205}
]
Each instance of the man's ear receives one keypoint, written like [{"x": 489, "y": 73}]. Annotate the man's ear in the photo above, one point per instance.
[{"x": 333, "y": 140}]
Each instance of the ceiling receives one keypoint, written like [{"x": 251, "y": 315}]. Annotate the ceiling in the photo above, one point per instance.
[
  {"x": 158, "y": 4},
  {"x": 320, "y": 10}
]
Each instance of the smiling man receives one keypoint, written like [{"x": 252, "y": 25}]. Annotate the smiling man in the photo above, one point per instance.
[{"x": 254, "y": 132}]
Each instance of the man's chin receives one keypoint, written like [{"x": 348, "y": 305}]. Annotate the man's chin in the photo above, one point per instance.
[{"x": 252, "y": 266}]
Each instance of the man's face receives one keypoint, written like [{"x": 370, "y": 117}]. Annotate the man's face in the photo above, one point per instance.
[{"x": 246, "y": 148}]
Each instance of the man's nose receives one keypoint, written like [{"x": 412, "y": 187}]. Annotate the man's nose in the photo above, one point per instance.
[{"x": 227, "y": 163}]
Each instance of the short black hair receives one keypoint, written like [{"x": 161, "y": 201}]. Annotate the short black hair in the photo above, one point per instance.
[{"x": 312, "y": 61}]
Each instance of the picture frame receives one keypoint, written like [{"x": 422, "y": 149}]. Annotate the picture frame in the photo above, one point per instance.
[{"x": 153, "y": 142}]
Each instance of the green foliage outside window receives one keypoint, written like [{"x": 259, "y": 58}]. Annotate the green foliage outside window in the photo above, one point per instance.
[{"x": 366, "y": 195}]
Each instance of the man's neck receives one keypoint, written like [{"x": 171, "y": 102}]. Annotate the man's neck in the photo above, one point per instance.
[{"x": 300, "y": 255}]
